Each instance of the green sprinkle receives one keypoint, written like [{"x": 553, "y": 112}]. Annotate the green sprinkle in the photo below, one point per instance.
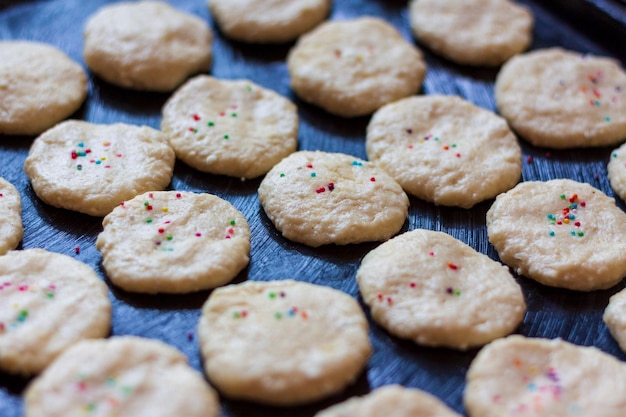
[
  {"x": 81, "y": 153},
  {"x": 454, "y": 145},
  {"x": 282, "y": 174},
  {"x": 226, "y": 137},
  {"x": 249, "y": 88},
  {"x": 23, "y": 315},
  {"x": 110, "y": 381},
  {"x": 91, "y": 407},
  {"x": 233, "y": 115},
  {"x": 551, "y": 216},
  {"x": 581, "y": 234},
  {"x": 457, "y": 292},
  {"x": 211, "y": 124},
  {"x": 236, "y": 315},
  {"x": 232, "y": 222},
  {"x": 562, "y": 196},
  {"x": 146, "y": 204},
  {"x": 79, "y": 167},
  {"x": 272, "y": 295},
  {"x": 278, "y": 316},
  {"x": 50, "y": 295},
  {"x": 148, "y": 220},
  {"x": 127, "y": 391},
  {"x": 437, "y": 139},
  {"x": 169, "y": 237}
]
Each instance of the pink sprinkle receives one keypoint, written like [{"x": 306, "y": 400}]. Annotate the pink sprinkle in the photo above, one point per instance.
[
  {"x": 231, "y": 231},
  {"x": 222, "y": 113},
  {"x": 227, "y": 237},
  {"x": 431, "y": 253},
  {"x": 151, "y": 195},
  {"x": 198, "y": 234},
  {"x": 119, "y": 155},
  {"x": 389, "y": 301},
  {"x": 23, "y": 287}
]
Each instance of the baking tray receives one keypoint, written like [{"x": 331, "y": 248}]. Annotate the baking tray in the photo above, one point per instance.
[{"x": 576, "y": 317}]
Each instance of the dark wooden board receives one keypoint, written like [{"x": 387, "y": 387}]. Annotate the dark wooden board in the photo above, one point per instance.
[{"x": 575, "y": 317}]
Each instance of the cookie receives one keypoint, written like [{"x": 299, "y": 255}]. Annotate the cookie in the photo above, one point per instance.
[
  {"x": 268, "y": 21},
  {"x": 11, "y": 230},
  {"x": 561, "y": 233},
  {"x": 146, "y": 45},
  {"x": 122, "y": 377},
  {"x": 444, "y": 149},
  {"x": 617, "y": 171},
  {"x": 474, "y": 32},
  {"x": 227, "y": 127},
  {"x": 519, "y": 376},
  {"x": 561, "y": 99},
  {"x": 48, "y": 302},
  {"x": 282, "y": 342},
  {"x": 39, "y": 86},
  {"x": 91, "y": 168},
  {"x": 318, "y": 198},
  {"x": 435, "y": 290},
  {"x": 615, "y": 318},
  {"x": 405, "y": 402},
  {"x": 351, "y": 68},
  {"x": 173, "y": 242}
]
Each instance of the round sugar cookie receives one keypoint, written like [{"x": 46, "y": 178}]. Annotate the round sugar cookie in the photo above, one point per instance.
[
  {"x": 11, "y": 229},
  {"x": 435, "y": 290},
  {"x": 561, "y": 233},
  {"x": 121, "y": 377},
  {"x": 402, "y": 402},
  {"x": 282, "y": 342},
  {"x": 351, "y": 68},
  {"x": 319, "y": 198},
  {"x": 48, "y": 302},
  {"x": 519, "y": 376},
  {"x": 227, "y": 127},
  {"x": 562, "y": 99},
  {"x": 444, "y": 149},
  {"x": 617, "y": 171},
  {"x": 146, "y": 45},
  {"x": 173, "y": 242},
  {"x": 39, "y": 86},
  {"x": 91, "y": 168},
  {"x": 268, "y": 21},
  {"x": 472, "y": 32},
  {"x": 615, "y": 318}
]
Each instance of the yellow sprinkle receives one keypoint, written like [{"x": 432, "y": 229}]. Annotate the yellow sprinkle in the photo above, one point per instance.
[
  {"x": 533, "y": 369},
  {"x": 107, "y": 143},
  {"x": 103, "y": 158},
  {"x": 165, "y": 209},
  {"x": 566, "y": 221}
]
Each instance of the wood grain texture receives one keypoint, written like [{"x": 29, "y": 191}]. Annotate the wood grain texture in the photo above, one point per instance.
[{"x": 551, "y": 312}]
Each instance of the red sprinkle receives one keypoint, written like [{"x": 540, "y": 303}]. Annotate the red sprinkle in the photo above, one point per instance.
[
  {"x": 431, "y": 253},
  {"x": 583, "y": 204},
  {"x": 309, "y": 165},
  {"x": 77, "y": 250},
  {"x": 574, "y": 198},
  {"x": 320, "y": 190},
  {"x": 178, "y": 195},
  {"x": 74, "y": 156},
  {"x": 331, "y": 186},
  {"x": 577, "y": 224},
  {"x": 412, "y": 285},
  {"x": 389, "y": 301},
  {"x": 380, "y": 297},
  {"x": 529, "y": 159},
  {"x": 198, "y": 234},
  {"x": 452, "y": 266},
  {"x": 161, "y": 230},
  {"x": 148, "y": 208},
  {"x": 196, "y": 117},
  {"x": 373, "y": 179}
]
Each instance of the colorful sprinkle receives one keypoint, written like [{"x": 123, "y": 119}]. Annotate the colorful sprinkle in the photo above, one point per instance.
[
  {"x": 452, "y": 266},
  {"x": 357, "y": 164}
]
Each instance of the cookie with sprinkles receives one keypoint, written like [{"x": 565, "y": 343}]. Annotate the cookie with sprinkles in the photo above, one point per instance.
[
  {"x": 146, "y": 45},
  {"x": 268, "y": 21},
  {"x": 352, "y": 67},
  {"x": 282, "y": 342},
  {"x": 519, "y": 376},
  {"x": 474, "y": 32},
  {"x": 435, "y": 290},
  {"x": 91, "y": 168},
  {"x": 174, "y": 242},
  {"x": 561, "y": 99},
  {"x": 561, "y": 233},
  {"x": 400, "y": 401},
  {"x": 48, "y": 302},
  {"x": 122, "y": 376},
  {"x": 444, "y": 149},
  {"x": 615, "y": 318},
  {"x": 40, "y": 86},
  {"x": 230, "y": 127},
  {"x": 320, "y": 198},
  {"x": 616, "y": 169},
  {"x": 11, "y": 229}
]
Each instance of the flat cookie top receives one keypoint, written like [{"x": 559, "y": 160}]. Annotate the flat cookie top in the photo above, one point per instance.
[
  {"x": 282, "y": 342},
  {"x": 319, "y": 198},
  {"x": 444, "y": 149},
  {"x": 121, "y": 377},
  {"x": 268, "y": 21},
  {"x": 437, "y": 291},
  {"x": 234, "y": 128},
  {"x": 617, "y": 171},
  {"x": 561, "y": 99},
  {"x": 91, "y": 168},
  {"x": 11, "y": 230},
  {"x": 174, "y": 242},
  {"x": 40, "y": 86},
  {"x": 615, "y": 318},
  {"x": 48, "y": 302},
  {"x": 473, "y": 32},
  {"x": 561, "y": 233},
  {"x": 404, "y": 402},
  {"x": 351, "y": 68},
  {"x": 518, "y": 376},
  {"x": 146, "y": 45}
]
